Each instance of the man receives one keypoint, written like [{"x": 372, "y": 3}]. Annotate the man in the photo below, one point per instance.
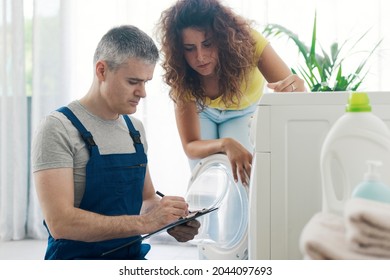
[{"x": 90, "y": 167}]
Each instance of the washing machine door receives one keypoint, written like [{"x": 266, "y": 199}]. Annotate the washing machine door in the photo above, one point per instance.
[{"x": 223, "y": 233}]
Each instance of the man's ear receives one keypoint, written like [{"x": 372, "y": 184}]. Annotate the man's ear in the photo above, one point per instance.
[{"x": 101, "y": 70}]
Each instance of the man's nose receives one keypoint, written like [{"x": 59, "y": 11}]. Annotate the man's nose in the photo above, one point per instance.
[{"x": 141, "y": 90}]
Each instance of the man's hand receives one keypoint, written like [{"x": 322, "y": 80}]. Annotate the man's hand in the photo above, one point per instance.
[{"x": 185, "y": 232}]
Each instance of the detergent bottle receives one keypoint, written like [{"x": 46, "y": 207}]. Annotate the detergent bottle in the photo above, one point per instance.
[
  {"x": 357, "y": 136},
  {"x": 372, "y": 187}
]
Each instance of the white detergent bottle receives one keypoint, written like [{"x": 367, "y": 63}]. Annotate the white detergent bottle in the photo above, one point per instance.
[
  {"x": 357, "y": 136},
  {"x": 372, "y": 187}
]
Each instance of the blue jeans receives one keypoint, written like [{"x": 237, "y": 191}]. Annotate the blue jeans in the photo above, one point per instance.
[{"x": 216, "y": 124}]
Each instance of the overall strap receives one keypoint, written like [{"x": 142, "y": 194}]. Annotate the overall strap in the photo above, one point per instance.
[
  {"x": 85, "y": 134},
  {"x": 135, "y": 135}
]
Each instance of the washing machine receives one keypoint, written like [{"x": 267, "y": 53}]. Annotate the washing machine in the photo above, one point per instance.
[
  {"x": 285, "y": 189},
  {"x": 223, "y": 234}
]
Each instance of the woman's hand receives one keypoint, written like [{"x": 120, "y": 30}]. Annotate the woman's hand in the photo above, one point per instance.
[
  {"x": 240, "y": 160},
  {"x": 290, "y": 84},
  {"x": 276, "y": 71}
]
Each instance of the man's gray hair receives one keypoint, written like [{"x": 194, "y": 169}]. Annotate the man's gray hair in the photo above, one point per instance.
[{"x": 124, "y": 42}]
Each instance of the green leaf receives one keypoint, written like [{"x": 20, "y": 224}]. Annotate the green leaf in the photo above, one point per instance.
[{"x": 321, "y": 69}]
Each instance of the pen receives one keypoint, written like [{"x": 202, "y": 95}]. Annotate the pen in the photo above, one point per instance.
[{"x": 159, "y": 194}]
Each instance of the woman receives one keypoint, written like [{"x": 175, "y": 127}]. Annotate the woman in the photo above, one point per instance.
[{"x": 215, "y": 64}]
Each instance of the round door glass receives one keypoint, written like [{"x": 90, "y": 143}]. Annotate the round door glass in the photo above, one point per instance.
[{"x": 215, "y": 187}]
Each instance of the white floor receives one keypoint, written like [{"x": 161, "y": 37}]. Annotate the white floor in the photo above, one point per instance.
[{"x": 163, "y": 248}]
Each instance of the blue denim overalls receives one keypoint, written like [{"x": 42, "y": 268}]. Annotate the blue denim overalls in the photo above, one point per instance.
[{"x": 114, "y": 186}]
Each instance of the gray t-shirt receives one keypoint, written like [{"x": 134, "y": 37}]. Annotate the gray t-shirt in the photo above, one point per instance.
[{"x": 58, "y": 144}]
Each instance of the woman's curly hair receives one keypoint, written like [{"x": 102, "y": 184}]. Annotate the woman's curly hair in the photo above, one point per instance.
[{"x": 231, "y": 35}]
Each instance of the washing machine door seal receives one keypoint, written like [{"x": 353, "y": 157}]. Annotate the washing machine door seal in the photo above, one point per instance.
[{"x": 223, "y": 233}]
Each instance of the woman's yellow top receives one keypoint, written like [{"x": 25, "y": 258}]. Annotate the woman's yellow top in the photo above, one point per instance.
[{"x": 253, "y": 90}]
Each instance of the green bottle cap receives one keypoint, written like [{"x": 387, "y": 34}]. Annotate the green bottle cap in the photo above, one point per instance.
[{"x": 358, "y": 102}]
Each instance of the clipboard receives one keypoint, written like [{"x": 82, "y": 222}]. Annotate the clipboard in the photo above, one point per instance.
[{"x": 192, "y": 216}]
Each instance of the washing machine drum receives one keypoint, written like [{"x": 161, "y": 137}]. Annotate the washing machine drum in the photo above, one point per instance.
[{"x": 223, "y": 233}]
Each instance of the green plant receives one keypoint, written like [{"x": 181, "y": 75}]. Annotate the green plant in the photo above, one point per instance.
[{"x": 324, "y": 72}]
